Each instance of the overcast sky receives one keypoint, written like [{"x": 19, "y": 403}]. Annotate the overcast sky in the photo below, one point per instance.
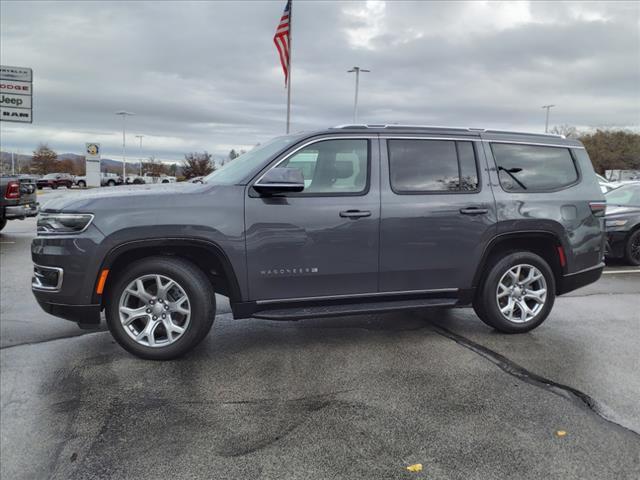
[{"x": 206, "y": 75}]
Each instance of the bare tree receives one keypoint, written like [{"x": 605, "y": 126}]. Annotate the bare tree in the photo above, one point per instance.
[
  {"x": 44, "y": 160},
  {"x": 568, "y": 131},
  {"x": 197, "y": 164}
]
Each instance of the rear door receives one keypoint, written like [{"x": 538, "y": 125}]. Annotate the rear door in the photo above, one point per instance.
[
  {"x": 324, "y": 240},
  {"x": 438, "y": 212}
]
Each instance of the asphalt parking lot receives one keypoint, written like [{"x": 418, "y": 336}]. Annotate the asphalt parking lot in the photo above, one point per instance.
[{"x": 358, "y": 397}]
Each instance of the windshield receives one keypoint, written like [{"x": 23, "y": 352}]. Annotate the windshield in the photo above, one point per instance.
[
  {"x": 628, "y": 195},
  {"x": 237, "y": 170},
  {"x": 50, "y": 175}
]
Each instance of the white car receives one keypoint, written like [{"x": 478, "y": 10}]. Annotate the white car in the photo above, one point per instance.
[{"x": 148, "y": 178}]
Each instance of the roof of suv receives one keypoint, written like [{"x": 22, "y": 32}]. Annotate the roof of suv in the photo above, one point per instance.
[{"x": 488, "y": 134}]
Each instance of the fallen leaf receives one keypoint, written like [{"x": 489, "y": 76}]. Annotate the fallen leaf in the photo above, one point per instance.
[
  {"x": 561, "y": 433},
  {"x": 416, "y": 467}
]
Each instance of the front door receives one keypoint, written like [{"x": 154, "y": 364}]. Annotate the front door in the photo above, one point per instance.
[
  {"x": 324, "y": 240},
  {"x": 437, "y": 213}
]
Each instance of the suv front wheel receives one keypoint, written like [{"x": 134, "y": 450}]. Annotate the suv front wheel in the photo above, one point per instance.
[
  {"x": 517, "y": 293},
  {"x": 160, "y": 308}
]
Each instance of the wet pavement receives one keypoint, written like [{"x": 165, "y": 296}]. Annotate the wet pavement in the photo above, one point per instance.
[{"x": 357, "y": 397}]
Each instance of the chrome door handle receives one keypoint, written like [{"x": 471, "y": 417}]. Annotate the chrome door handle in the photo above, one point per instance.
[
  {"x": 355, "y": 213},
  {"x": 474, "y": 211}
]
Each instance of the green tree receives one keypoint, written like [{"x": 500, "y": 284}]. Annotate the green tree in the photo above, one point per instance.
[
  {"x": 612, "y": 149},
  {"x": 197, "y": 164},
  {"x": 44, "y": 160}
]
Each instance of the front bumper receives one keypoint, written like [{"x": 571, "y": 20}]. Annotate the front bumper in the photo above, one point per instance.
[
  {"x": 78, "y": 258},
  {"x": 86, "y": 316},
  {"x": 22, "y": 211},
  {"x": 576, "y": 280}
]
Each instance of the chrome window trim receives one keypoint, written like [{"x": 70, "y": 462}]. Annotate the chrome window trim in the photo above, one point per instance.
[
  {"x": 64, "y": 215},
  {"x": 387, "y": 136},
  {"x": 355, "y": 295},
  {"x": 311, "y": 142},
  {"x": 39, "y": 286},
  {"x": 577, "y": 147}
]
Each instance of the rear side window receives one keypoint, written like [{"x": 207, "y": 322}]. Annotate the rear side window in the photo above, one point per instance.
[
  {"x": 422, "y": 166},
  {"x": 524, "y": 168}
]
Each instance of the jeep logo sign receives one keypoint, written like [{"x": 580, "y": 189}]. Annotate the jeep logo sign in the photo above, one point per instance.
[{"x": 16, "y": 88}]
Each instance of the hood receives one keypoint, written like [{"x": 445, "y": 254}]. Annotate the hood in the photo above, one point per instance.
[
  {"x": 87, "y": 200},
  {"x": 615, "y": 210}
]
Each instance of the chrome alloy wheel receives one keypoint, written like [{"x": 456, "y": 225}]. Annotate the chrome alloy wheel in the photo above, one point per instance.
[
  {"x": 521, "y": 293},
  {"x": 154, "y": 310}
]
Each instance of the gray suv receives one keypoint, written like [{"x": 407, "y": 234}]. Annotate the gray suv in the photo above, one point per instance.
[{"x": 348, "y": 220}]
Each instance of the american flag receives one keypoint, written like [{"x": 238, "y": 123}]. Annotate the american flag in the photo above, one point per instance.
[{"x": 282, "y": 39}]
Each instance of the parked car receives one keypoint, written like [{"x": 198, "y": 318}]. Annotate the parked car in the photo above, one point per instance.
[
  {"x": 55, "y": 180},
  {"x": 623, "y": 223},
  {"x": 18, "y": 198},
  {"x": 148, "y": 178},
  {"x": 106, "y": 180},
  {"x": 383, "y": 218}
]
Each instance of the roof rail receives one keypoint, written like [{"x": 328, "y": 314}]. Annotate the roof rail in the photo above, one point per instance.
[{"x": 442, "y": 127}]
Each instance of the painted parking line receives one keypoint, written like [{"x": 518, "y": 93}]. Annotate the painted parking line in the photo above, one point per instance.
[{"x": 618, "y": 272}]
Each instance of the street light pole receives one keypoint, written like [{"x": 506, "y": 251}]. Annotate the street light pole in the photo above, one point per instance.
[
  {"x": 124, "y": 148},
  {"x": 546, "y": 123},
  {"x": 357, "y": 70},
  {"x": 140, "y": 138}
]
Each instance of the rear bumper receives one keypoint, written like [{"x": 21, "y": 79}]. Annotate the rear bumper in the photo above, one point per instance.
[
  {"x": 22, "y": 211},
  {"x": 573, "y": 281}
]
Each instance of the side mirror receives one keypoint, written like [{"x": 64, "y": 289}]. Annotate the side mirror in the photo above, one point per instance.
[{"x": 280, "y": 180}]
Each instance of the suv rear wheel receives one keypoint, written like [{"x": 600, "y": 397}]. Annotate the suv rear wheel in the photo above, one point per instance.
[
  {"x": 517, "y": 293},
  {"x": 160, "y": 308}
]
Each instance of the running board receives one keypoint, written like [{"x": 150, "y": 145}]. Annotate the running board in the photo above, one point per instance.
[{"x": 296, "y": 313}]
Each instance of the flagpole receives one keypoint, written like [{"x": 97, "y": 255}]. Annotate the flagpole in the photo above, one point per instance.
[{"x": 289, "y": 66}]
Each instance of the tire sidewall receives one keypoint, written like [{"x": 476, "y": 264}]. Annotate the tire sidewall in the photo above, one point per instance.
[
  {"x": 627, "y": 248},
  {"x": 490, "y": 306},
  {"x": 201, "y": 300}
]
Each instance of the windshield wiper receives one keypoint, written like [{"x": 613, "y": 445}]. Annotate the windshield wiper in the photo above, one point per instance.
[{"x": 510, "y": 172}]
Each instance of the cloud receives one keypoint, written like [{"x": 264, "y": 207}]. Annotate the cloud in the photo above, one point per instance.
[{"x": 205, "y": 75}]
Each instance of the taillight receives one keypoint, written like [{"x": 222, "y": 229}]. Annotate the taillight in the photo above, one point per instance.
[
  {"x": 13, "y": 191},
  {"x": 598, "y": 208}
]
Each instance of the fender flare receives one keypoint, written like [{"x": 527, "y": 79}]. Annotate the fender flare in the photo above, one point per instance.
[{"x": 235, "y": 294}]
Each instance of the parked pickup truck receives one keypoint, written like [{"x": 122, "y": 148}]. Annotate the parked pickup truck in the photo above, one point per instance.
[
  {"x": 148, "y": 178},
  {"x": 106, "y": 180},
  {"x": 18, "y": 198}
]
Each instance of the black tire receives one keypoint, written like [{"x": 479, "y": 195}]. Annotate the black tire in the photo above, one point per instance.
[
  {"x": 137, "y": 181},
  {"x": 165, "y": 181},
  {"x": 486, "y": 303},
  {"x": 3, "y": 223},
  {"x": 82, "y": 184},
  {"x": 54, "y": 186},
  {"x": 111, "y": 183},
  {"x": 632, "y": 248},
  {"x": 197, "y": 287},
  {"x": 39, "y": 187}
]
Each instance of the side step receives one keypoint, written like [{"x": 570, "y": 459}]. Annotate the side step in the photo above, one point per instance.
[{"x": 296, "y": 313}]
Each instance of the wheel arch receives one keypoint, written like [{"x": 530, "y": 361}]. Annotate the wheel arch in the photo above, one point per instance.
[
  {"x": 543, "y": 243},
  {"x": 206, "y": 255}
]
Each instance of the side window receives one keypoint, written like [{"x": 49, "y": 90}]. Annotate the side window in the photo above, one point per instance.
[
  {"x": 333, "y": 166},
  {"x": 524, "y": 168},
  {"x": 422, "y": 166}
]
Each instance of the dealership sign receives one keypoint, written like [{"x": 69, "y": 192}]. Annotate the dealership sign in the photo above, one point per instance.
[{"x": 16, "y": 88}]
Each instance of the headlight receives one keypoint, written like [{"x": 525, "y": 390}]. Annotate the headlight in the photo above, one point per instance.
[
  {"x": 63, "y": 222},
  {"x": 616, "y": 223}
]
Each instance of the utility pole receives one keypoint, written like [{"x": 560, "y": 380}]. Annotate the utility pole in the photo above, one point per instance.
[
  {"x": 546, "y": 123},
  {"x": 140, "y": 138},
  {"x": 124, "y": 151},
  {"x": 13, "y": 165},
  {"x": 357, "y": 70}
]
